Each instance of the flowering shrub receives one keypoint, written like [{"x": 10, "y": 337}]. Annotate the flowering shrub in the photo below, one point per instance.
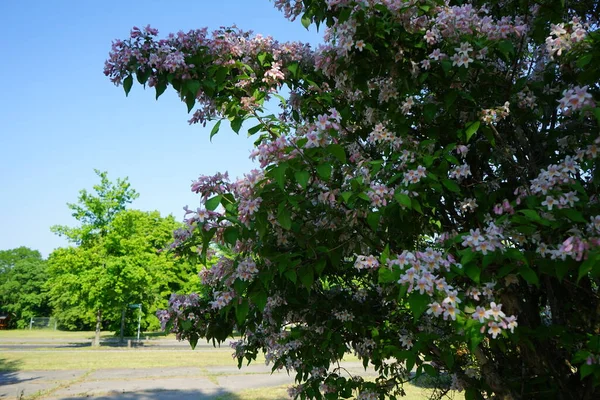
[{"x": 427, "y": 197}]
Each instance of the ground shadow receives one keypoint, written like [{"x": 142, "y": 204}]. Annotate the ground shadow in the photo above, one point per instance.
[
  {"x": 166, "y": 395},
  {"x": 9, "y": 373},
  {"x": 103, "y": 343}
]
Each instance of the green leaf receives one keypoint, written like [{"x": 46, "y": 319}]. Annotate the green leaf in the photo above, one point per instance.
[
  {"x": 488, "y": 259},
  {"x": 587, "y": 266},
  {"x": 254, "y": 129},
  {"x": 410, "y": 360},
  {"x": 448, "y": 359},
  {"x": 324, "y": 171},
  {"x": 320, "y": 266},
  {"x": 574, "y": 215},
  {"x": 586, "y": 370},
  {"x": 302, "y": 178},
  {"x": 337, "y": 151},
  {"x": 293, "y": 68},
  {"x": 596, "y": 112},
  {"x": 221, "y": 75},
  {"x": 213, "y": 202},
  {"x": 473, "y": 272},
  {"x": 468, "y": 255},
  {"x": 279, "y": 174},
  {"x": 193, "y": 86},
  {"x": 529, "y": 275},
  {"x": 584, "y": 60},
  {"x": 450, "y": 98},
  {"x": 403, "y": 199},
  {"x": 416, "y": 206},
  {"x": 215, "y": 129},
  {"x": 306, "y": 21},
  {"x": 193, "y": 339},
  {"x": 259, "y": 298},
  {"x": 451, "y": 185},
  {"x": 472, "y": 393},
  {"x": 562, "y": 268},
  {"x": 127, "y": 84},
  {"x": 471, "y": 129},
  {"x": 241, "y": 312},
  {"x": 429, "y": 112},
  {"x": 236, "y": 124},
  {"x": 446, "y": 66},
  {"x": 346, "y": 196},
  {"x": 373, "y": 220},
  {"x": 291, "y": 275},
  {"x": 532, "y": 215},
  {"x": 507, "y": 48},
  {"x": 262, "y": 57},
  {"x": 418, "y": 303},
  {"x": 231, "y": 235},
  {"x": 307, "y": 277},
  {"x": 160, "y": 87},
  {"x": 284, "y": 216},
  {"x": 388, "y": 276},
  {"x": 190, "y": 101}
]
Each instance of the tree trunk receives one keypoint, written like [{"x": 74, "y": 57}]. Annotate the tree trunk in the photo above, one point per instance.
[
  {"x": 98, "y": 327},
  {"x": 122, "y": 326},
  {"x": 492, "y": 378}
]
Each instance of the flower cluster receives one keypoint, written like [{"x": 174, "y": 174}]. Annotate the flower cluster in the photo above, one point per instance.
[
  {"x": 575, "y": 99},
  {"x": 490, "y": 240},
  {"x": 563, "y": 37}
]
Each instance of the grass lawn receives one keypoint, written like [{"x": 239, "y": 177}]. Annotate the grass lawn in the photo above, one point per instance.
[
  {"x": 120, "y": 358},
  {"x": 30, "y": 336}
]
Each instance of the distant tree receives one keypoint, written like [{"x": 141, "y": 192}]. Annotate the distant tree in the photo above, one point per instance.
[
  {"x": 22, "y": 277},
  {"x": 135, "y": 269},
  {"x": 94, "y": 212},
  {"x": 140, "y": 271}
]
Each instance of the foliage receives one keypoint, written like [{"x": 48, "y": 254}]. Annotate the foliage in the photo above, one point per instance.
[
  {"x": 119, "y": 260},
  {"x": 431, "y": 180},
  {"x": 22, "y": 277},
  {"x": 95, "y": 211},
  {"x": 126, "y": 266}
]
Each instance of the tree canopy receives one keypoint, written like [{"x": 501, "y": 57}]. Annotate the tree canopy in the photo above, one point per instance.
[
  {"x": 427, "y": 196},
  {"x": 95, "y": 211},
  {"x": 23, "y": 273},
  {"x": 129, "y": 265}
]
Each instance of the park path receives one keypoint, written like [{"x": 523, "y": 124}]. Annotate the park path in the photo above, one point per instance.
[{"x": 184, "y": 383}]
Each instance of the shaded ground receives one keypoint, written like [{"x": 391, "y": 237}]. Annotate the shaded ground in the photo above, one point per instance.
[{"x": 144, "y": 383}]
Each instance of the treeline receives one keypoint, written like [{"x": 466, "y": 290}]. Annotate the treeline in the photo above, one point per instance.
[{"x": 117, "y": 262}]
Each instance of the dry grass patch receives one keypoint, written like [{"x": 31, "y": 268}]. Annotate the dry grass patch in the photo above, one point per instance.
[{"x": 106, "y": 359}]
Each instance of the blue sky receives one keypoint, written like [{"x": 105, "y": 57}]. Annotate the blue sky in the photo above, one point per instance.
[{"x": 60, "y": 117}]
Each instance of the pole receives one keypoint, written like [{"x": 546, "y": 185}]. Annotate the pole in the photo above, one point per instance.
[
  {"x": 122, "y": 325},
  {"x": 139, "y": 323},
  {"x": 31, "y": 323}
]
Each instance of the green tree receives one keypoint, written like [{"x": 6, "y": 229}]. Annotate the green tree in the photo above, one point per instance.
[
  {"x": 135, "y": 269},
  {"x": 22, "y": 278},
  {"x": 139, "y": 269},
  {"x": 94, "y": 212}
]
